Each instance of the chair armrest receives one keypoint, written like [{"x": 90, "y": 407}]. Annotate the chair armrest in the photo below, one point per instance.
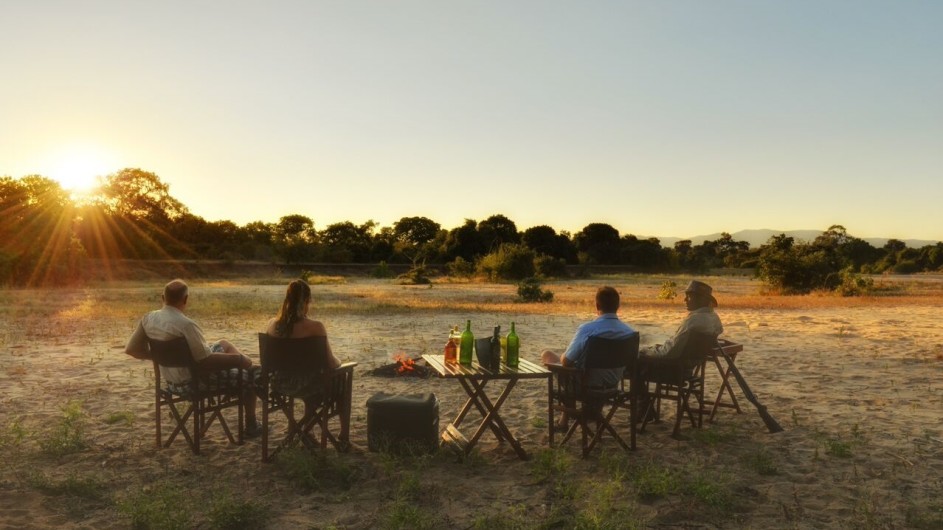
[
  {"x": 558, "y": 368},
  {"x": 346, "y": 367}
]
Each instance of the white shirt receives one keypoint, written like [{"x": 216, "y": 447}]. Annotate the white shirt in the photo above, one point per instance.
[{"x": 165, "y": 324}]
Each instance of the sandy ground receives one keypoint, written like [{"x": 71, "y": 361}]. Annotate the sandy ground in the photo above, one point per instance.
[{"x": 856, "y": 384}]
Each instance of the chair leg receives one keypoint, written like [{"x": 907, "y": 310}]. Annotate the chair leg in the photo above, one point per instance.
[
  {"x": 676, "y": 432},
  {"x": 197, "y": 427},
  {"x": 265, "y": 455},
  {"x": 157, "y": 420}
]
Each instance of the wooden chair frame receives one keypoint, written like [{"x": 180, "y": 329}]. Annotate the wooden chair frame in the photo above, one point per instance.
[
  {"x": 205, "y": 400},
  {"x": 570, "y": 393},
  {"x": 303, "y": 356},
  {"x": 678, "y": 380}
]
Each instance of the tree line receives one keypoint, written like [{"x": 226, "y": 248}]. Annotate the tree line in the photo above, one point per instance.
[{"x": 46, "y": 238}]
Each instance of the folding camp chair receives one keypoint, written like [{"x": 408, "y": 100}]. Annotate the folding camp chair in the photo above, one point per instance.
[
  {"x": 571, "y": 393},
  {"x": 329, "y": 394},
  {"x": 680, "y": 380},
  {"x": 206, "y": 395}
]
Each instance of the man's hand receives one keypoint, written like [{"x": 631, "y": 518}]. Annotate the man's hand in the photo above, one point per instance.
[{"x": 246, "y": 361}]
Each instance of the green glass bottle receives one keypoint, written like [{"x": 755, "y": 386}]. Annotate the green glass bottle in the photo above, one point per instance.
[
  {"x": 466, "y": 345},
  {"x": 514, "y": 348}
]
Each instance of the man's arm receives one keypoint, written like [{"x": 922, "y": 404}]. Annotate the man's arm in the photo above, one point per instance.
[{"x": 137, "y": 344}]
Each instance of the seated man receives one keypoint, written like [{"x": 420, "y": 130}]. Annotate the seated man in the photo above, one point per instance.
[
  {"x": 168, "y": 323},
  {"x": 608, "y": 326},
  {"x": 700, "y": 302}
]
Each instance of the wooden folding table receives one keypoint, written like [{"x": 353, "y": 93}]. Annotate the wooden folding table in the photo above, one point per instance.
[{"x": 474, "y": 378}]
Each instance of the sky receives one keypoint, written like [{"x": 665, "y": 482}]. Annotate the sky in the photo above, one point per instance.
[{"x": 661, "y": 118}]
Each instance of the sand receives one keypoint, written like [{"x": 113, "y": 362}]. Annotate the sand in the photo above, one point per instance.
[{"x": 855, "y": 383}]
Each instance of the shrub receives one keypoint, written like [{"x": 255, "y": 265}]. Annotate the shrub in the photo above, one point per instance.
[
  {"x": 510, "y": 262},
  {"x": 460, "y": 268},
  {"x": 906, "y": 267},
  {"x": 228, "y": 512},
  {"x": 69, "y": 435},
  {"x": 550, "y": 267},
  {"x": 853, "y": 285},
  {"x": 415, "y": 276},
  {"x": 797, "y": 269},
  {"x": 163, "y": 506},
  {"x": 382, "y": 270},
  {"x": 669, "y": 290},
  {"x": 529, "y": 291}
]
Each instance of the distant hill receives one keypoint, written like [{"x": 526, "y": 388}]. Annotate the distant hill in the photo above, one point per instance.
[{"x": 761, "y": 236}]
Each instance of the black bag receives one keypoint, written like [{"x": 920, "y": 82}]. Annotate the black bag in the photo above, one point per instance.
[{"x": 403, "y": 424}]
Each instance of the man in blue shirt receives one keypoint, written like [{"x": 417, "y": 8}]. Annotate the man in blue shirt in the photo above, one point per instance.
[{"x": 608, "y": 326}]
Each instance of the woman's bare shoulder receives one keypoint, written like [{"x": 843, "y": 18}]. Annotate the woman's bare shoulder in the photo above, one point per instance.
[{"x": 310, "y": 328}]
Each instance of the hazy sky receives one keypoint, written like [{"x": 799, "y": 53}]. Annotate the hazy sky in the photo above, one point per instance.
[{"x": 660, "y": 117}]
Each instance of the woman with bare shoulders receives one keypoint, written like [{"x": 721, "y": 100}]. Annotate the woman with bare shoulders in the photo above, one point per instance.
[{"x": 292, "y": 322}]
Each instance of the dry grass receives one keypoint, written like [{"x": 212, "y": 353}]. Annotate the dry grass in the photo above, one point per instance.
[{"x": 830, "y": 363}]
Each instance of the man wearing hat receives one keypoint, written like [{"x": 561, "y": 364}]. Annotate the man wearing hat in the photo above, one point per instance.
[{"x": 700, "y": 302}]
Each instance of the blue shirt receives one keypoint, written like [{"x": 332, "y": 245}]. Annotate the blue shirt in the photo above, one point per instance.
[{"x": 607, "y": 326}]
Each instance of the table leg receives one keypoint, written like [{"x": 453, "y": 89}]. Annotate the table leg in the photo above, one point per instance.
[
  {"x": 490, "y": 414},
  {"x": 476, "y": 396},
  {"x": 724, "y": 388},
  {"x": 493, "y": 418}
]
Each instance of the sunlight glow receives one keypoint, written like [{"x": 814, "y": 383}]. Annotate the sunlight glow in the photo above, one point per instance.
[{"x": 78, "y": 168}]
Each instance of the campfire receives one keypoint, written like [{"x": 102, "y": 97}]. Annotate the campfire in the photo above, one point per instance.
[
  {"x": 403, "y": 366},
  {"x": 404, "y": 363}
]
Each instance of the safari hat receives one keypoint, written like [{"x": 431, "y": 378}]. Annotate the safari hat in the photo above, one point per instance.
[{"x": 701, "y": 289}]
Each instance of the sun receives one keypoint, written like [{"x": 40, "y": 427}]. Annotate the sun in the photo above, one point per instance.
[{"x": 77, "y": 169}]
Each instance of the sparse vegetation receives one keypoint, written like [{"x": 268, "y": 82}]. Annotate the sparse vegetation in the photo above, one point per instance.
[
  {"x": 68, "y": 436},
  {"x": 229, "y": 513},
  {"x": 739, "y": 475},
  {"x": 530, "y": 290},
  {"x": 319, "y": 471},
  {"x": 669, "y": 290},
  {"x": 126, "y": 417},
  {"x": 161, "y": 507}
]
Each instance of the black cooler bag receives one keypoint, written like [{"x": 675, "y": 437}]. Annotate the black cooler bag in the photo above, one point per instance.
[{"x": 403, "y": 423}]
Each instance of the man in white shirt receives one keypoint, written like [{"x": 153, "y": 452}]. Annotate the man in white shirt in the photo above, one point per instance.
[{"x": 169, "y": 322}]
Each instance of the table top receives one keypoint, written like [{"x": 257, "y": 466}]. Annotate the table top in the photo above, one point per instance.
[{"x": 525, "y": 369}]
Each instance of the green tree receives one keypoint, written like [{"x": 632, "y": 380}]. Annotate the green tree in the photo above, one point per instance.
[
  {"x": 545, "y": 240},
  {"x": 464, "y": 242},
  {"x": 38, "y": 241},
  {"x": 599, "y": 242},
  {"x": 139, "y": 194},
  {"x": 346, "y": 242},
  {"x": 294, "y": 237},
  {"x": 414, "y": 238},
  {"x": 496, "y": 231},
  {"x": 798, "y": 268},
  {"x": 643, "y": 254}
]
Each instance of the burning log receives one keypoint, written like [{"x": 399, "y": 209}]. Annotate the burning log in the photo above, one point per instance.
[{"x": 404, "y": 366}]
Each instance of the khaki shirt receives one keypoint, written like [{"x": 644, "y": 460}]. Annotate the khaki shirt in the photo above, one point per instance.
[
  {"x": 165, "y": 324},
  {"x": 702, "y": 320}
]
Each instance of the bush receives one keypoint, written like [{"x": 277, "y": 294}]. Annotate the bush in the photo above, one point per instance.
[
  {"x": 798, "y": 270},
  {"x": 853, "y": 285},
  {"x": 510, "y": 262},
  {"x": 69, "y": 434},
  {"x": 906, "y": 267},
  {"x": 550, "y": 267},
  {"x": 669, "y": 290},
  {"x": 460, "y": 268},
  {"x": 382, "y": 271},
  {"x": 415, "y": 276},
  {"x": 529, "y": 291}
]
